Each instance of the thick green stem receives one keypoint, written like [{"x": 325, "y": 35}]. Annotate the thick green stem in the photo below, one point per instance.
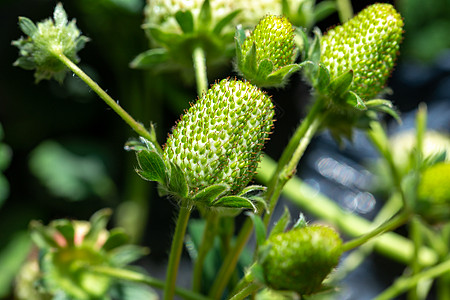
[
  {"x": 405, "y": 283},
  {"x": 291, "y": 155},
  {"x": 136, "y": 126},
  {"x": 390, "y": 225},
  {"x": 389, "y": 244},
  {"x": 345, "y": 10},
  {"x": 175, "y": 251},
  {"x": 142, "y": 278},
  {"x": 416, "y": 237},
  {"x": 201, "y": 77}
]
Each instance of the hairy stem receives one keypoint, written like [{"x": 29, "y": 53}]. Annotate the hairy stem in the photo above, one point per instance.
[
  {"x": 389, "y": 225},
  {"x": 142, "y": 278},
  {"x": 136, "y": 126},
  {"x": 201, "y": 77},
  {"x": 175, "y": 251}
]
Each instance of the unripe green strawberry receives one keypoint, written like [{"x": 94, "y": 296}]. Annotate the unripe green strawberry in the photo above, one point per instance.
[
  {"x": 274, "y": 40},
  {"x": 220, "y": 138},
  {"x": 367, "y": 44},
  {"x": 434, "y": 193},
  {"x": 300, "y": 259}
]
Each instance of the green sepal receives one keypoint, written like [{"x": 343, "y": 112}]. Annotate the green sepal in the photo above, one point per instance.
[
  {"x": 302, "y": 42},
  {"x": 354, "y": 100},
  {"x": 225, "y": 21},
  {"x": 278, "y": 78},
  {"x": 65, "y": 227},
  {"x": 340, "y": 85},
  {"x": 205, "y": 16},
  {"x": 42, "y": 236},
  {"x": 313, "y": 53},
  {"x": 323, "y": 78},
  {"x": 185, "y": 20},
  {"x": 98, "y": 223},
  {"x": 234, "y": 202},
  {"x": 150, "y": 58},
  {"x": 385, "y": 106},
  {"x": 162, "y": 37},
  {"x": 250, "y": 60},
  {"x": 282, "y": 224},
  {"x": 177, "y": 182},
  {"x": 301, "y": 222},
  {"x": 151, "y": 166},
  {"x": 264, "y": 69},
  {"x": 260, "y": 229},
  {"x": 255, "y": 193},
  {"x": 126, "y": 254},
  {"x": 117, "y": 237},
  {"x": 207, "y": 195},
  {"x": 27, "y": 26}
]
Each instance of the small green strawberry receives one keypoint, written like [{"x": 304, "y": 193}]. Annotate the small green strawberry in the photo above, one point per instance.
[
  {"x": 368, "y": 45},
  {"x": 220, "y": 138},
  {"x": 45, "y": 41},
  {"x": 434, "y": 193},
  {"x": 299, "y": 260},
  {"x": 266, "y": 58}
]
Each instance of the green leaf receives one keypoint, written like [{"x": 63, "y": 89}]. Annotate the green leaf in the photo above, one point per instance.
[
  {"x": 98, "y": 224},
  {"x": 185, "y": 20},
  {"x": 340, "y": 85},
  {"x": 117, "y": 237},
  {"x": 150, "y": 58},
  {"x": 264, "y": 69},
  {"x": 234, "y": 202},
  {"x": 205, "y": 16},
  {"x": 177, "y": 183},
  {"x": 13, "y": 253},
  {"x": 324, "y": 9},
  {"x": 27, "y": 26},
  {"x": 65, "y": 227},
  {"x": 152, "y": 166},
  {"x": 126, "y": 254},
  {"x": 280, "y": 76},
  {"x": 282, "y": 223},
  {"x": 260, "y": 228},
  {"x": 207, "y": 195},
  {"x": 225, "y": 21},
  {"x": 354, "y": 100}
]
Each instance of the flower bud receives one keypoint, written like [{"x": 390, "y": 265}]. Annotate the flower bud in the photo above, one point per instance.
[
  {"x": 45, "y": 41},
  {"x": 300, "y": 259},
  {"x": 367, "y": 44},
  {"x": 220, "y": 138}
]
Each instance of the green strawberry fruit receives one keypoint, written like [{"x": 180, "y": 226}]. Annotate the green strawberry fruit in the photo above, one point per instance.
[{"x": 220, "y": 138}]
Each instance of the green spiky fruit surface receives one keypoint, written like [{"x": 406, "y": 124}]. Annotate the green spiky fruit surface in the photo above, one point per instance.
[
  {"x": 300, "y": 259},
  {"x": 367, "y": 44},
  {"x": 220, "y": 138},
  {"x": 435, "y": 183},
  {"x": 274, "y": 40}
]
